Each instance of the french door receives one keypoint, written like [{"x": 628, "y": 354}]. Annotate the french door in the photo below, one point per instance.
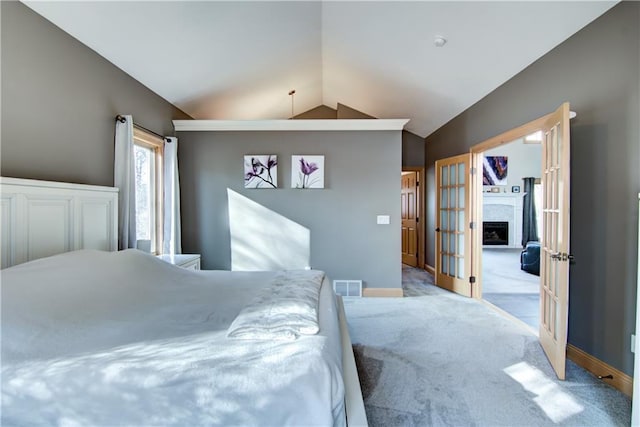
[
  {"x": 453, "y": 248},
  {"x": 554, "y": 254}
]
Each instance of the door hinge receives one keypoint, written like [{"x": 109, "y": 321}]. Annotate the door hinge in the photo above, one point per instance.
[
  {"x": 473, "y": 171},
  {"x": 472, "y": 225},
  {"x": 417, "y": 220},
  {"x": 472, "y": 279}
]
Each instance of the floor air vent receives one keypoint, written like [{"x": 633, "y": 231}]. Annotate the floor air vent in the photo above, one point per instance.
[{"x": 348, "y": 288}]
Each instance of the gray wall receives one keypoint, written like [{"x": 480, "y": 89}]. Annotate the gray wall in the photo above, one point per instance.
[
  {"x": 362, "y": 171},
  {"x": 412, "y": 144},
  {"x": 59, "y": 100},
  {"x": 412, "y": 150},
  {"x": 319, "y": 112},
  {"x": 341, "y": 112},
  {"x": 346, "y": 112},
  {"x": 597, "y": 71}
]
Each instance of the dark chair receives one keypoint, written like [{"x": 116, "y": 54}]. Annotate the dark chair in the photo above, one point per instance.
[{"x": 530, "y": 258}]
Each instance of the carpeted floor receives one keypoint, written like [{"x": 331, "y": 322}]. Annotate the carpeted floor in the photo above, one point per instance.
[
  {"x": 434, "y": 358},
  {"x": 501, "y": 272},
  {"x": 506, "y": 286}
]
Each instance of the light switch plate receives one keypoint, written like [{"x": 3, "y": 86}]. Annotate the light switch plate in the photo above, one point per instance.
[{"x": 383, "y": 219}]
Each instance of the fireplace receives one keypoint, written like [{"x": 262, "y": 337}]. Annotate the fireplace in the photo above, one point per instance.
[
  {"x": 505, "y": 207},
  {"x": 495, "y": 233}
]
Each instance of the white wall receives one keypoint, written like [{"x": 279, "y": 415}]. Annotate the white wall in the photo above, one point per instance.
[{"x": 523, "y": 160}]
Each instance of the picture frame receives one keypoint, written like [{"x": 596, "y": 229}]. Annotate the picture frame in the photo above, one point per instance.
[
  {"x": 260, "y": 171},
  {"x": 307, "y": 171},
  {"x": 515, "y": 189},
  {"x": 494, "y": 170}
]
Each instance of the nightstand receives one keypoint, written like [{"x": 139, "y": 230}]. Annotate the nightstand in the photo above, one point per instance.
[{"x": 188, "y": 261}]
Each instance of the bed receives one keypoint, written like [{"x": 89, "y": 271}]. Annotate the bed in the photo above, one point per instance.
[{"x": 94, "y": 337}]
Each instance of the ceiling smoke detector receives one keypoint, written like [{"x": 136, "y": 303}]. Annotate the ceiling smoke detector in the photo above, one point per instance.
[{"x": 439, "y": 41}]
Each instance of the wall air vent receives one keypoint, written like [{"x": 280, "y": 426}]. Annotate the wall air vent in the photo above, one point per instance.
[{"x": 348, "y": 288}]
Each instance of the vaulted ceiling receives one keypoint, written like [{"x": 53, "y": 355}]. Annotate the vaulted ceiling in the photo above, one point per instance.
[{"x": 239, "y": 60}]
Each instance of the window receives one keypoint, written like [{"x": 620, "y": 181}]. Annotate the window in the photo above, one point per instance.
[
  {"x": 534, "y": 138},
  {"x": 148, "y": 151}
]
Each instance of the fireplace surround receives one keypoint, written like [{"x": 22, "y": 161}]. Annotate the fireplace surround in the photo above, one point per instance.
[{"x": 505, "y": 207}]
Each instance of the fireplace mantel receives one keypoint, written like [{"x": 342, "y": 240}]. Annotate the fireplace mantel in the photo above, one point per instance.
[
  {"x": 505, "y": 207},
  {"x": 500, "y": 195}
]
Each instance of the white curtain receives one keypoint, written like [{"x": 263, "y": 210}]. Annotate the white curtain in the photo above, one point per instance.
[
  {"x": 124, "y": 179},
  {"x": 171, "y": 233}
]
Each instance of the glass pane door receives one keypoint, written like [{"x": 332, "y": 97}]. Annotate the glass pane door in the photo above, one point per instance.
[{"x": 452, "y": 235}]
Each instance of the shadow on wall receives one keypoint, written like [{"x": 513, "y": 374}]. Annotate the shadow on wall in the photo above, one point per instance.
[{"x": 264, "y": 240}]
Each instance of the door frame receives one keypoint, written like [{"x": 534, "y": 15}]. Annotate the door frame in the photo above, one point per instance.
[
  {"x": 420, "y": 210},
  {"x": 476, "y": 191}
]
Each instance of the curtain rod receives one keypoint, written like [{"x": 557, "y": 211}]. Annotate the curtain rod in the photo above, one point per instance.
[{"x": 123, "y": 119}]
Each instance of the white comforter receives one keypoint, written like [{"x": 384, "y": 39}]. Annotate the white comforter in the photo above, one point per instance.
[{"x": 95, "y": 338}]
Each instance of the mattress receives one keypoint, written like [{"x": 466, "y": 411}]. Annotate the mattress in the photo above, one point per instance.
[{"x": 122, "y": 338}]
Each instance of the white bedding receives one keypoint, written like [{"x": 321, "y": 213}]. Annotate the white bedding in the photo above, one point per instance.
[
  {"x": 284, "y": 309},
  {"x": 126, "y": 339}
]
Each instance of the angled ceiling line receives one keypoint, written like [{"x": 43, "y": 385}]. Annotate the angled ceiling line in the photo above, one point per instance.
[{"x": 377, "y": 57}]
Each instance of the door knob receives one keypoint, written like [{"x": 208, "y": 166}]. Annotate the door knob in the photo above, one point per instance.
[
  {"x": 438, "y": 230},
  {"x": 561, "y": 256}
]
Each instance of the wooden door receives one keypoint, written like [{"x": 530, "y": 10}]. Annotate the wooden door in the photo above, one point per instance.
[
  {"x": 409, "y": 204},
  {"x": 554, "y": 254},
  {"x": 453, "y": 236}
]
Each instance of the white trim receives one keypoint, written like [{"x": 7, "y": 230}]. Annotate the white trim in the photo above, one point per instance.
[
  {"x": 54, "y": 184},
  {"x": 289, "y": 125}
]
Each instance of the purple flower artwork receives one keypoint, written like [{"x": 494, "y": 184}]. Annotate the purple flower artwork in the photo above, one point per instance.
[
  {"x": 261, "y": 171},
  {"x": 307, "y": 171}
]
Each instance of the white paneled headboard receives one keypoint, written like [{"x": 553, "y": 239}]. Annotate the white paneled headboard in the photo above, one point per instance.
[{"x": 43, "y": 218}]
